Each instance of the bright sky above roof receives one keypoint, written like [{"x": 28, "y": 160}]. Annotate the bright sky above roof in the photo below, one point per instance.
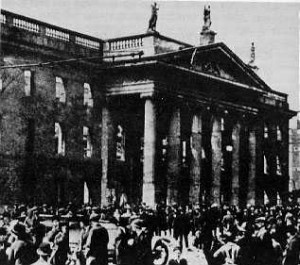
[{"x": 272, "y": 26}]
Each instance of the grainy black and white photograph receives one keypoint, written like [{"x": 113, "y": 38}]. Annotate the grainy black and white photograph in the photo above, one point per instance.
[{"x": 149, "y": 133}]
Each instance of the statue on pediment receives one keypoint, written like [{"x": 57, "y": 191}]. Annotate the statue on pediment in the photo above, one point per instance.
[
  {"x": 153, "y": 18},
  {"x": 207, "y": 20}
]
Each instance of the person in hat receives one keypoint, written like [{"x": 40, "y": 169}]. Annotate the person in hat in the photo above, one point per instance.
[
  {"x": 22, "y": 251},
  {"x": 124, "y": 244},
  {"x": 61, "y": 244},
  {"x": 44, "y": 252},
  {"x": 292, "y": 250},
  {"x": 177, "y": 260},
  {"x": 96, "y": 244},
  {"x": 142, "y": 243}
]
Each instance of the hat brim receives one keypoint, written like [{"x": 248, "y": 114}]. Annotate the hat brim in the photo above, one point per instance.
[{"x": 42, "y": 253}]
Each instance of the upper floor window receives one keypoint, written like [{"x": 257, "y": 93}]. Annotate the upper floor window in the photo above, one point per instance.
[
  {"x": 222, "y": 125},
  {"x": 28, "y": 84},
  {"x": 60, "y": 147},
  {"x": 88, "y": 148},
  {"x": 87, "y": 96},
  {"x": 266, "y": 131},
  {"x": 278, "y": 166},
  {"x": 183, "y": 151},
  {"x": 60, "y": 90},
  {"x": 279, "y": 135},
  {"x": 266, "y": 166}
]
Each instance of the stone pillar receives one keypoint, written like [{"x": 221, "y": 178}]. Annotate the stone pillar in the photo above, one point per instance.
[
  {"x": 272, "y": 149},
  {"x": 173, "y": 156},
  {"x": 105, "y": 135},
  {"x": 196, "y": 149},
  {"x": 255, "y": 190},
  {"x": 235, "y": 186},
  {"x": 252, "y": 168},
  {"x": 216, "y": 146},
  {"x": 149, "y": 153}
]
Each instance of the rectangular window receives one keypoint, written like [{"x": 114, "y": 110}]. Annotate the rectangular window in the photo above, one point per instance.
[
  {"x": 60, "y": 91},
  {"x": 266, "y": 167},
  {"x": 266, "y": 131},
  {"x": 279, "y": 135},
  {"x": 278, "y": 166},
  {"x": 88, "y": 148},
  {"x": 87, "y": 96},
  {"x": 222, "y": 125}
]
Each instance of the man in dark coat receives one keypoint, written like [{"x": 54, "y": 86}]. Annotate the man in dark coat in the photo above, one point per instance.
[
  {"x": 291, "y": 253},
  {"x": 22, "y": 251},
  {"x": 96, "y": 244},
  {"x": 142, "y": 243}
]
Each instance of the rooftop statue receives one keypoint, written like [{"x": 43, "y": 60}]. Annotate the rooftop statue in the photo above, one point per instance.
[
  {"x": 153, "y": 18},
  {"x": 207, "y": 20}
]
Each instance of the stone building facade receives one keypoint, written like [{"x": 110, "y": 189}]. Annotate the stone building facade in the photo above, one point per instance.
[{"x": 144, "y": 117}]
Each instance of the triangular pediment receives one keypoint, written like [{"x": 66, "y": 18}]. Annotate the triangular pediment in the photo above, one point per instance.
[{"x": 219, "y": 61}]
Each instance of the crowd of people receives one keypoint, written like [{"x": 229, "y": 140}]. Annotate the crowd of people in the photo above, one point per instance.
[{"x": 267, "y": 235}]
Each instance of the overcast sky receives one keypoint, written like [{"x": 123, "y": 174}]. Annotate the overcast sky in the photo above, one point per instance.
[{"x": 273, "y": 27}]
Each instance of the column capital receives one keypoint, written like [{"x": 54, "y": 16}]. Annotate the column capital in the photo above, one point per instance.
[{"x": 147, "y": 95}]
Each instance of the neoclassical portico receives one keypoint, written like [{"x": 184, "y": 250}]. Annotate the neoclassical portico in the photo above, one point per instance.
[{"x": 192, "y": 149}]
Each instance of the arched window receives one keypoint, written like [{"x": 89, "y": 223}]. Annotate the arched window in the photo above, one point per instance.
[
  {"x": 87, "y": 96},
  {"x": 87, "y": 140},
  {"x": 59, "y": 140},
  {"x": 60, "y": 90}
]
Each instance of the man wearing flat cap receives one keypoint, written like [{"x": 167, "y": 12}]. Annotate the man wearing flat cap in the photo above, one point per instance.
[{"x": 96, "y": 244}]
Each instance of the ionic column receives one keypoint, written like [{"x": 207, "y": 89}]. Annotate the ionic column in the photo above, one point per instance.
[
  {"x": 173, "y": 156},
  {"x": 149, "y": 153},
  {"x": 235, "y": 184},
  {"x": 196, "y": 148},
  {"x": 255, "y": 191},
  {"x": 216, "y": 146}
]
